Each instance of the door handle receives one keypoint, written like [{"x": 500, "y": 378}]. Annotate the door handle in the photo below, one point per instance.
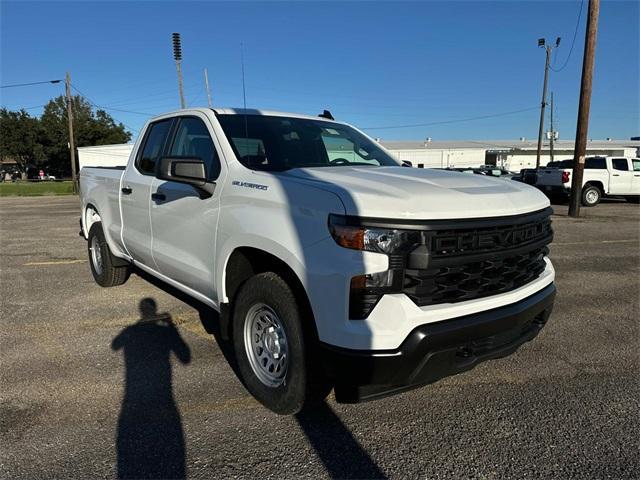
[
  {"x": 126, "y": 190},
  {"x": 615, "y": 175},
  {"x": 158, "y": 196}
]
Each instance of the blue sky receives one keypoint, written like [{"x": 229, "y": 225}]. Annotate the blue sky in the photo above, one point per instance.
[{"x": 371, "y": 64}]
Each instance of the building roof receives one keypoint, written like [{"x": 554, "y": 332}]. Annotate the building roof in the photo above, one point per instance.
[{"x": 504, "y": 144}]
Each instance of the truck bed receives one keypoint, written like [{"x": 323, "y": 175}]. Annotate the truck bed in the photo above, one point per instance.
[{"x": 101, "y": 186}]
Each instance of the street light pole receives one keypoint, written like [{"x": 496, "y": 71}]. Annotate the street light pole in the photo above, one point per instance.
[
  {"x": 177, "y": 56},
  {"x": 206, "y": 84},
  {"x": 543, "y": 104},
  {"x": 552, "y": 138}
]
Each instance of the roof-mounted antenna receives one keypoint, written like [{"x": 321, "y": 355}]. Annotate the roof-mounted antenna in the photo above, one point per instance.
[
  {"x": 244, "y": 98},
  {"x": 326, "y": 114},
  {"x": 244, "y": 91}
]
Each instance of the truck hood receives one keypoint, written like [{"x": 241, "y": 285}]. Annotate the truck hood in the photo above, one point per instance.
[{"x": 414, "y": 193}]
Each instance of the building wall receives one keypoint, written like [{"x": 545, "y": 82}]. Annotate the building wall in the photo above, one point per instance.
[
  {"x": 442, "y": 158},
  {"x": 527, "y": 159}
]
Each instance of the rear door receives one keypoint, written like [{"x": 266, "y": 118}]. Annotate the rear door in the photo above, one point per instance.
[
  {"x": 135, "y": 192},
  {"x": 184, "y": 224},
  {"x": 621, "y": 177}
]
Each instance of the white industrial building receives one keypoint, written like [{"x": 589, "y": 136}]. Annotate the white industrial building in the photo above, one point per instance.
[{"x": 510, "y": 154}]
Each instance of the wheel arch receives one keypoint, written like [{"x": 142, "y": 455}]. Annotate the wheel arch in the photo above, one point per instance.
[
  {"x": 245, "y": 262},
  {"x": 90, "y": 215},
  {"x": 595, "y": 183}
]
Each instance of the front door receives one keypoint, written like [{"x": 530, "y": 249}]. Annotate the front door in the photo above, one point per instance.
[
  {"x": 135, "y": 192},
  {"x": 184, "y": 224}
]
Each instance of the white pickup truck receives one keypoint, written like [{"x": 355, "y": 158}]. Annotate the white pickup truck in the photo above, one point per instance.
[
  {"x": 331, "y": 265},
  {"x": 611, "y": 176}
]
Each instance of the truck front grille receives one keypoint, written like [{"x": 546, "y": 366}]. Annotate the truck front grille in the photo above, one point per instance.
[
  {"x": 468, "y": 281},
  {"x": 479, "y": 258}
]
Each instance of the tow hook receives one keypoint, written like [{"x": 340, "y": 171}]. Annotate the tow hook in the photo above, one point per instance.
[{"x": 464, "y": 352}]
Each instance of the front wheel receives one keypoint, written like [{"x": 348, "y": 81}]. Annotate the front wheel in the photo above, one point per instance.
[
  {"x": 591, "y": 196},
  {"x": 104, "y": 266},
  {"x": 270, "y": 347}
]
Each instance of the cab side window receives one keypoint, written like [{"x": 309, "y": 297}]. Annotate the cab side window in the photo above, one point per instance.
[
  {"x": 153, "y": 145},
  {"x": 599, "y": 163},
  {"x": 192, "y": 139},
  {"x": 620, "y": 164},
  {"x": 636, "y": 164}
]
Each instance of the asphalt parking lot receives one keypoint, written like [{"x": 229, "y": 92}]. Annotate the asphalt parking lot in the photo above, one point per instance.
[{"x": 565, "y": 405}]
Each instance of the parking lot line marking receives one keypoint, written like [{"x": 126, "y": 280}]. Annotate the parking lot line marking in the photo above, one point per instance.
[
  {"x": 57, "y": 262},
  {"x": 595, "y": 243}
]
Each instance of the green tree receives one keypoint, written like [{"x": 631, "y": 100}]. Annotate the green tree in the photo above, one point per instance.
[
  {"x": 90, "y": 128},
  {"x": 21, "y": 138}
]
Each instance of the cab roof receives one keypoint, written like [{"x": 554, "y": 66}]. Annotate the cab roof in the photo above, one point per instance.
[{"x": 272, "y": 113}]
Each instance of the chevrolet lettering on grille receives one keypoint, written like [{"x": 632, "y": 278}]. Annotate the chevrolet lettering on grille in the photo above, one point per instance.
[{"x": 487, "y": 241}]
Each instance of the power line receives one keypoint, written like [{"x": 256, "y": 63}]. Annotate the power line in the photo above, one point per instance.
[
  {"x": 23, "y": 108},
  {"x": 27, "y": 84},
  {"x": 102, "y": 108},
  {"x": 575, "y": 33},
  {"x": 452, "y": 121}
]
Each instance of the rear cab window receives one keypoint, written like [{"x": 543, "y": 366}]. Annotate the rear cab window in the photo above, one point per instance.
[
  {"x": 597, "y": 163},
  {"x": 636, "y": 164}
]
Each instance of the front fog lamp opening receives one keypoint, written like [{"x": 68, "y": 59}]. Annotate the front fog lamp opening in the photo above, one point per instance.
[{"x": 367, "y": 290}]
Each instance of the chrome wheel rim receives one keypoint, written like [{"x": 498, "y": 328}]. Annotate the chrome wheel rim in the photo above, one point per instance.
[
  {"x": 592, "y": 196},
  {"x": 96, "y": 255},
  {"x": 265, "y": 342}
]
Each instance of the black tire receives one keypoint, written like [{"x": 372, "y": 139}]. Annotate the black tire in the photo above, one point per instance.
[
  {"x": 112, "y": 271},
  {"x": 301, "y": 383},
  {"x": 591, "y": 196}
]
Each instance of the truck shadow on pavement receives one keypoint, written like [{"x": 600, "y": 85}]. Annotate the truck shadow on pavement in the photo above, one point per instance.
[
  {"x": 337, "y": 449},
  {"x": 150, "y": 440},
  {"x": 340, "y": 453}
]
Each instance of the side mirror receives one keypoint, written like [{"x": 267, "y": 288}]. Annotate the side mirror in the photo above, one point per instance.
[
  {"x": 189, "y": 170},
  {"x": 407, "y": 163}
]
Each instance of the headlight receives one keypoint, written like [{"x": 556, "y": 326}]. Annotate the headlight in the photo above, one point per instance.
[
  {"x": 373, "y": 239},
  {"x": 366, "y": 290}
]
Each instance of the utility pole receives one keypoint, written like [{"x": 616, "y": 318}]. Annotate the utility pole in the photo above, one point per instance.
[
  {"x": 553, "y": 132},
  {"x": 206, "y": 84},
  {"x": 72, "y": 146},
  {"x": 542, "y": 44},
  {"x": 177, "y": 56},
  {"x": 583, "y": 108}
]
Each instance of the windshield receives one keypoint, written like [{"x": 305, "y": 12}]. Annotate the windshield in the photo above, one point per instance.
[{"x": 273, "y": 143}]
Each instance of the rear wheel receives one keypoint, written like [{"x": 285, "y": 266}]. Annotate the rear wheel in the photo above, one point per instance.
[
  {"x": 107, "y": 270},
  {"x": 272, "y": 352},
  {"x": 591, "y": 196}
]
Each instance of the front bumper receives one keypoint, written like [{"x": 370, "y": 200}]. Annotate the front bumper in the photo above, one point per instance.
[{"x": 437, "y": 350}]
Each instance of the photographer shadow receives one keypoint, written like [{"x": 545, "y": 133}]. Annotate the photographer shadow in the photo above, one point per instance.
[{"x": 150, "y": 439}]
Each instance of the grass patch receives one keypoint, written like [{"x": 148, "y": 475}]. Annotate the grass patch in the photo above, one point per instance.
[{"x": 34, "y": 189}]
